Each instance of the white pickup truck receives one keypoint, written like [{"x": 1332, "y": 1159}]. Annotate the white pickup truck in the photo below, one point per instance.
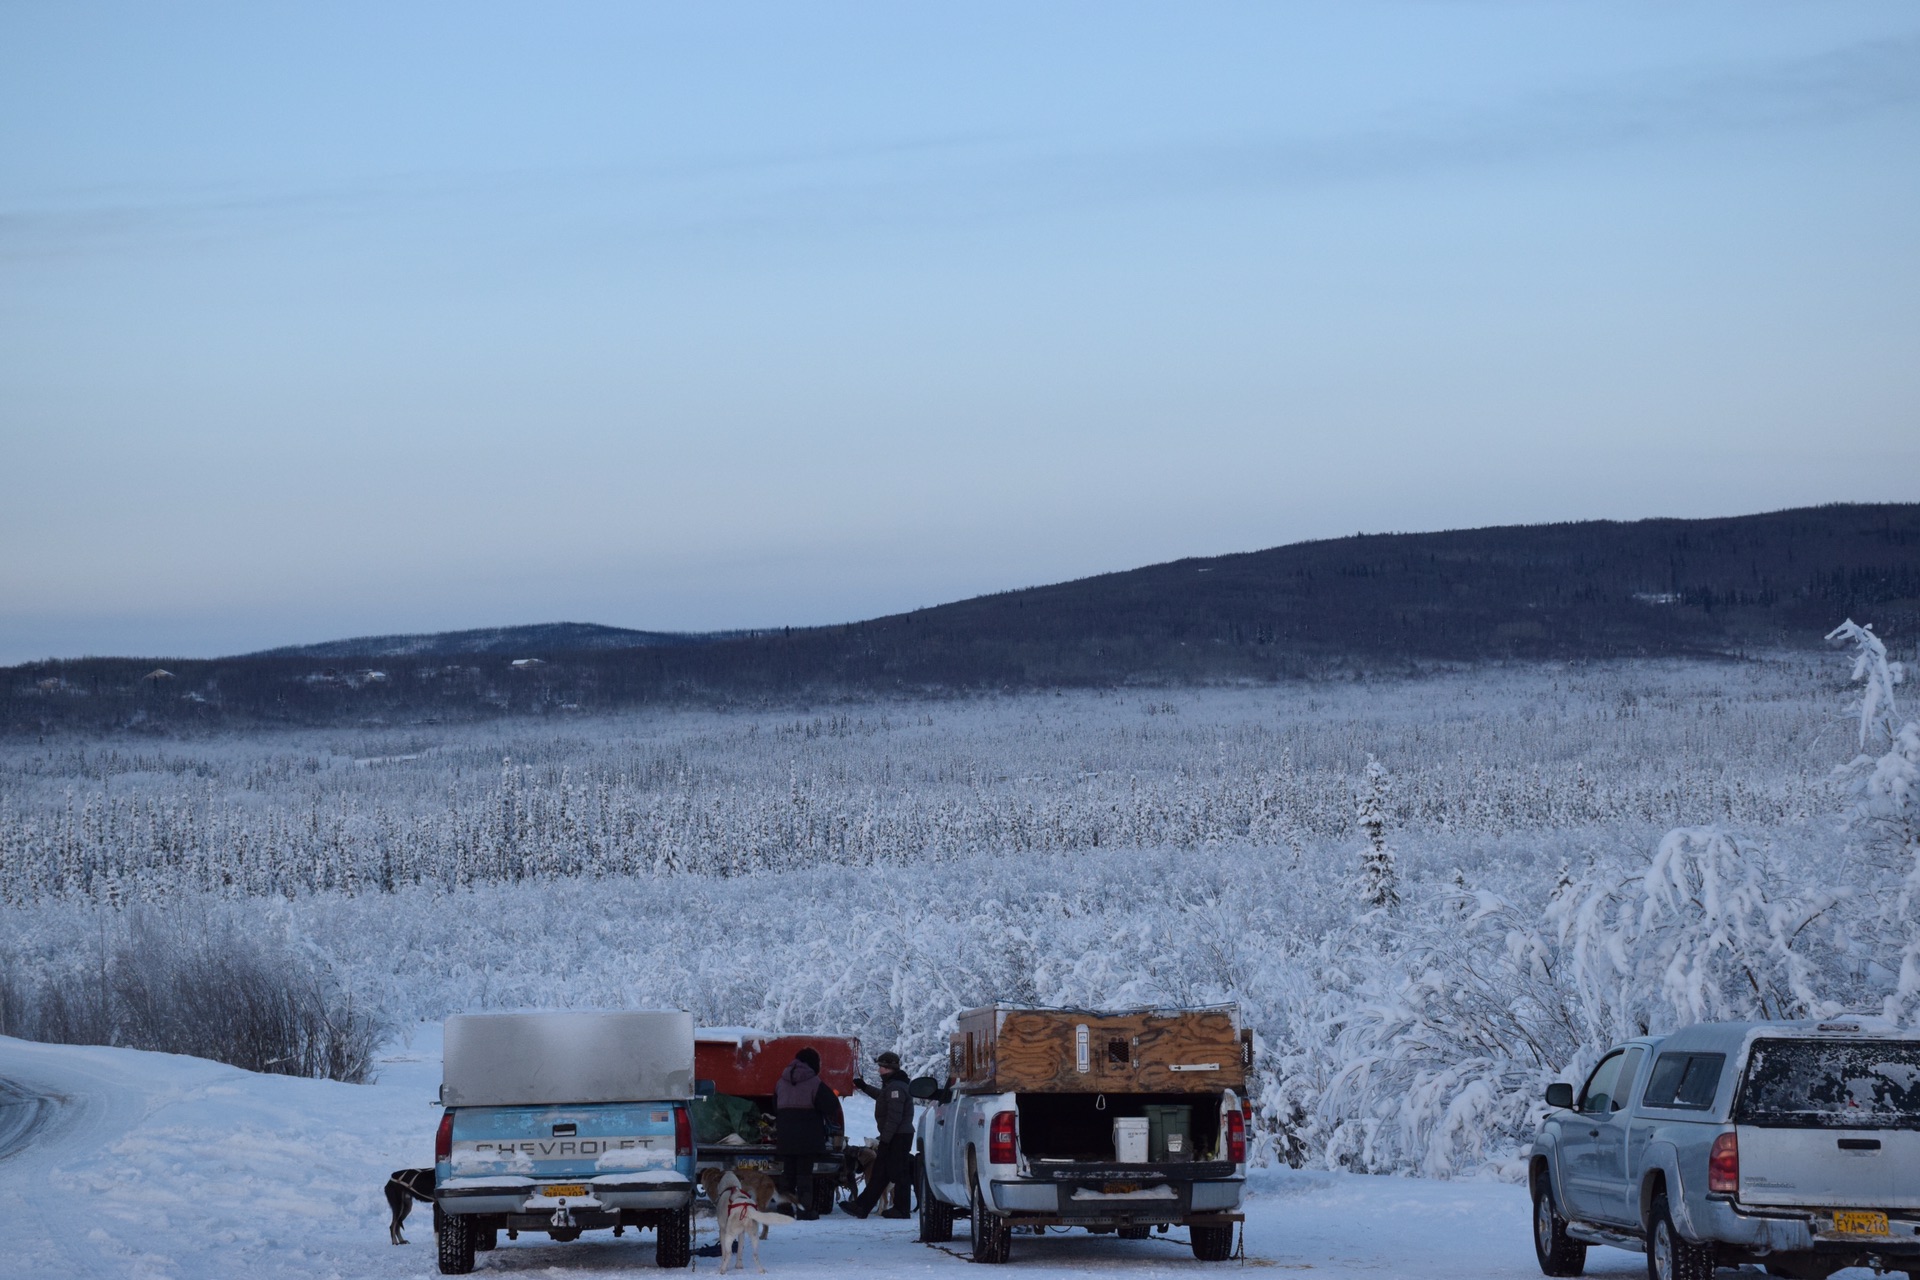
[
  {"x": 1120, "y": 1122},
  {"x": 1792, "y": 1145}
]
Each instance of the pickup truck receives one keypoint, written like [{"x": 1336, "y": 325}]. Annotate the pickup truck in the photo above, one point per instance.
[
  {"x": 565, "y": 1122},
  {"x": 1792, "y": 1145},
  {"x": 1121, "y": 1122}
]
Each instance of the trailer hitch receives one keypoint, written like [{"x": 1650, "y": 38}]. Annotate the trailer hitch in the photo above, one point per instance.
[{"x": 561, "y": 1216}]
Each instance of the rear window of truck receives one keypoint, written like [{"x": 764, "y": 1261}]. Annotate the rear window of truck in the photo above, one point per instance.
[
  {"x": 1831, "y": 1084},
  {"x": 1685, "y": 1081}
]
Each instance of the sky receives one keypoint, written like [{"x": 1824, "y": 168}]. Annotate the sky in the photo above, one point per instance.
[{"x": 329, "y": 320}]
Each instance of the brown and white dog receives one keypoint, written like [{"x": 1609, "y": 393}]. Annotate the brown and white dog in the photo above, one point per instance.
[
  {"x": 736, "y": 1215},
  {"x": 765, "y": 1192},
  {"x": 403, "y": 1188}
]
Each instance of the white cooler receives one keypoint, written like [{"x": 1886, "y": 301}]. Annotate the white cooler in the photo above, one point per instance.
[{"x": 1130, "y": 1140}]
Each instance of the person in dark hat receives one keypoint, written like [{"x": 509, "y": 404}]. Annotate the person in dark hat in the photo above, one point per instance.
[
  {"x": 893, "y": 1163},
  {"x": 806, "y": 1115}
]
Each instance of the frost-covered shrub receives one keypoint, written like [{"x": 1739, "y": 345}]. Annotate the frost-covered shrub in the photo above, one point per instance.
[{"x": 199, "y": 986}]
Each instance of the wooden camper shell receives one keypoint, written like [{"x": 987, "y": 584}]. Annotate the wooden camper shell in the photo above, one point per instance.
[{"x": 1010, "y": 1049}]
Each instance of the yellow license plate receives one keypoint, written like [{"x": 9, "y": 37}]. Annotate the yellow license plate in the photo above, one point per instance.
[
  {"x": 580, "y": 1189},
  {"x": 1119, "y": 1188},
  {"x": 1860, "y": 1222}
]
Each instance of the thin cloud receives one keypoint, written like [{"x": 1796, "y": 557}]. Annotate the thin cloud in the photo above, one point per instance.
[{"x": 941, "y": 179}]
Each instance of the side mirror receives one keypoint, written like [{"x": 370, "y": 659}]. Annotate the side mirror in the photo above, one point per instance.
[
  {"x": 923, "y": 1087},
  {"x": 1560, "y": 1094},
  {"x": 703, "y": 1089}
]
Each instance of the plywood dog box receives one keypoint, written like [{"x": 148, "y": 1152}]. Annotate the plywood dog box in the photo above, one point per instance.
[{"x": 1005, "y": 1049}]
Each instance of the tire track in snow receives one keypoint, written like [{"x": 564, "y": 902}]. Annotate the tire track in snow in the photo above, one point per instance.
[
  {"x": 23, "y": 1113},
  {"x": 58, "y": 1103}
]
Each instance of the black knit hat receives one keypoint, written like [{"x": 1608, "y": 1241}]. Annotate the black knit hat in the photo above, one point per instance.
[
  {"x": 809, "y": 1057},
  {"x": 888, "y": 1059}
]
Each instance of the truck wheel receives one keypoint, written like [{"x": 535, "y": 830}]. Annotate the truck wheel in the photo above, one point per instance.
[
  {"x": 1212, "y": 1244},
  {"x": 1670, "y": 1255},
  {"x": 1559, "y": 1253},
  {"x": 992, "y": 1234},
  {"x": 673, "y": 1246},
  {"x": 455, "y": 1239},
  {"x": 1133, "y": 1233},
  {"x": 936, "y": 1217}
]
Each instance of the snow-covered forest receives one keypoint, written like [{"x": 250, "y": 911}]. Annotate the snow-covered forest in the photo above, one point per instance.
[{"x": 1429, "y": 897}]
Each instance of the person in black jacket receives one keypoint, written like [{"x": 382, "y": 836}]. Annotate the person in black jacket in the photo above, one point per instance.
[
  {"x": 806, "y": 1115},
  {"x": 893, "y": 1163}
]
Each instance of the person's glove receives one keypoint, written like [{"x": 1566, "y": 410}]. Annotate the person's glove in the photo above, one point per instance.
[{"x": 858, "y": 1083}]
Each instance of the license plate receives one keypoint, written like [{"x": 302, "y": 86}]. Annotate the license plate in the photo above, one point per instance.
[
  {"x": 1118, "y": 1188},
  {"x": 1859, "y": 1222},
  {"x": 578, "y": 1189}
]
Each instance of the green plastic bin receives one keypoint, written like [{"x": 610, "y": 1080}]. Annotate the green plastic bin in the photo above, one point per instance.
[{"x": 1164, "y": 1124}]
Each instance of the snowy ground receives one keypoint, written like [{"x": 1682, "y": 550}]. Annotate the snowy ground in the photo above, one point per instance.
[{"x": 150, "y": 1165}]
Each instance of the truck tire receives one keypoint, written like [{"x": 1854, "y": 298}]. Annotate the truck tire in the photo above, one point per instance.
[
  {"x": 1670, "y": 1255},
  {"x": 992, "y": 1234},
  {"x": 936, "y": 1217},
  {"x": 455, "y": 1239},
  {"x": 1559, "y": 1253},
  {"x": 1212, "y": 1244},
  {"x": 1133, "y": 1233},
  {"x": 673, "y": 1243}
]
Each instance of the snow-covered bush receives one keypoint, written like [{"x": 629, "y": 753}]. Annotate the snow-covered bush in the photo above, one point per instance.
[{"x": 198, "y": 986}]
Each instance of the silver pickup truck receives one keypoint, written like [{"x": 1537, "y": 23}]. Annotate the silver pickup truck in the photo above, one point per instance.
[{"x": 1792, "y": 1145}]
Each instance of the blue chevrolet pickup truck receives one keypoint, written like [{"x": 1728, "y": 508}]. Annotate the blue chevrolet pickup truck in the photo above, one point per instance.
[{"x": 565, "y": 1122}]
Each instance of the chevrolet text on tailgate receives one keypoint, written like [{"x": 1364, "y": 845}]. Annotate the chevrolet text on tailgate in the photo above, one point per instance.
[
  {"x": 1793, "y": 1145},
  {"x": 565, "y": 1122}
]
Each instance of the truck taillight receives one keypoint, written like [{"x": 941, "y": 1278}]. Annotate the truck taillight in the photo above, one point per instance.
[
  {"x": 443, "y": 1139},
  {"x": 1236, "y": 1137},
  {"x": 1723, "y": 1165},
  {"x": 1002, "y": 1148},
  {"x": 682, "y": 1132}
]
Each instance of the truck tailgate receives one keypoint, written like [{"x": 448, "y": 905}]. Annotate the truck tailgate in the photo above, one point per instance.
[
  {"x": 1830, "y": 1168},
  {"x": 563, "y": 1142}
]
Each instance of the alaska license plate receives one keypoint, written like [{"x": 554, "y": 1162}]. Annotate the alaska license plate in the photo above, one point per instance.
[
  {"x": 1119, "y": 1188},
  {"x": 564, "y": 1189},
  {"x": 1859, "y": 1222}
]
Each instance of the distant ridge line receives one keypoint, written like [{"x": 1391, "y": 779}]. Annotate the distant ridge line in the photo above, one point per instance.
[
  {"x": 1342, "y": 608},
  {"x": 531, "y": 637}
]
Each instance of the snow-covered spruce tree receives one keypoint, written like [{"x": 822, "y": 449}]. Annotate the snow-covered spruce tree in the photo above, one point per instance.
[
  {"x": 1883, "y": 788},
  {"x": 1883, "y": 808},
  {"x": 1379, "y": 876}
]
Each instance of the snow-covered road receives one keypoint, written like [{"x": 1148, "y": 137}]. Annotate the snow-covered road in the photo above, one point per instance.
[{"x": 150, "y": 1165}]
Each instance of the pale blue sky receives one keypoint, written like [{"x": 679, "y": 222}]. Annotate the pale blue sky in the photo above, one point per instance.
[{"x": 320, "y": 320}]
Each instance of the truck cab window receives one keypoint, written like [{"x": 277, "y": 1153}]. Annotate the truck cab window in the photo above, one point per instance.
[
  {"x": 1685, "y": 1081},
  {"x": 1597, "y": 1097}
]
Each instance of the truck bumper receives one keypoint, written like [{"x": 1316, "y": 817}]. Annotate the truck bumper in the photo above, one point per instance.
[
  {"x": 653, "y": 1189},
  {"x": 1751, "y": 1234},
  {"x": 1097, "y": 1203}
]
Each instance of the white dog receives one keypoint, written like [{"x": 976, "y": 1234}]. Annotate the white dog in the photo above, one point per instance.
[{"x": 734, "y": 1211}]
